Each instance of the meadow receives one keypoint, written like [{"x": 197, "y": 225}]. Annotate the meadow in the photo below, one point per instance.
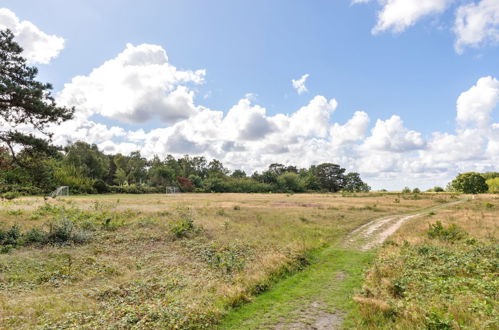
[{"x": 202, "y": 260}]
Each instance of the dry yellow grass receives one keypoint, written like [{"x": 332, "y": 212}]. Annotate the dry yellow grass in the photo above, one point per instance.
[
  {"x": 141, "y": 275},
  {"x": 451, "y": 281}
]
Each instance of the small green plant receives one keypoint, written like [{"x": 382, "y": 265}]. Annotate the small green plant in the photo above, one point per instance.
[
  {"x": 10, "y": 237},
  {"x": 396, "y": 200},
  {"x": 237, "y": 208},
  {"x": 221, "y": 212},
  {"x": 489, "y": 205},
  {"x": 451, "y": 233},
  {"x": 15, "y": 212},
  {"x": 182, "y": 226},
  {"x": 10, "y": 195}
]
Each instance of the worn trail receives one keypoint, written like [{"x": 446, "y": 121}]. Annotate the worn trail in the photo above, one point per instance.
[{"x": 315, "y": 297}]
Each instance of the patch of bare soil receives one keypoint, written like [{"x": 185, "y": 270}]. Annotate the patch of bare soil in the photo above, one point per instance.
[{"x": 313, "y": 317}]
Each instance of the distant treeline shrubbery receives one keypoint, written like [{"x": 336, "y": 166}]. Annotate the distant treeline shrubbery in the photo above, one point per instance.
[
  {"x": 85, "y": 169},
  {"x": 475, "y": 183}
]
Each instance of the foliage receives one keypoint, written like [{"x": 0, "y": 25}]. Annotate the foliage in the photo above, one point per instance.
[
  {"x": 443, "y": 287},
  {"x": 181, "y": 226},
  {"x": 24, "y": 100},
  {"x": 451, "y": 233},
  {"x": 493, "y": 185},
  {"x": 85, "y": 169},
  {"x": 470, "y": 183}
]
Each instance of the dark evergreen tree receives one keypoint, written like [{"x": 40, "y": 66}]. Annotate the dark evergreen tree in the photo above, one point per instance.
[{"x": 25, "y": 101}]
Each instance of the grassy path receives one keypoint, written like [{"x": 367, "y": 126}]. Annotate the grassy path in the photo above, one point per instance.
[
  {"x": 320, "y": 297},
  {"x": 319, "y": 294}
]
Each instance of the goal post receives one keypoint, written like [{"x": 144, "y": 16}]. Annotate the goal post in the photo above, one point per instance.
[
  {"x": 171, "y": 190},
  {"x": 60, "y": 191}
]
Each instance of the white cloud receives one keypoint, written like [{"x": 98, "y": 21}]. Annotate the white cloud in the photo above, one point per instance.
[
  {"x": 397, "y": 15},
  {"x": 299, "y": 84},
  {"x": 354, "y": 130},
  {"x": 477, "y": 24},
  {"x": 39, "y": 47},
  {"x": 247, "y": 137},
  {"x": 136, "y": 86},
  {"x": 391, "y": 135},
  {"x": 476, "y": 104}
]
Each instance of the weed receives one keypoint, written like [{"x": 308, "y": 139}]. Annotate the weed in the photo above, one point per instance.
[
  {"x": 237, "y": 208},
  {"x": 451, "y": 233},
  {"x": 15, "y": 212},
  {"x": 181, "y": 226}
]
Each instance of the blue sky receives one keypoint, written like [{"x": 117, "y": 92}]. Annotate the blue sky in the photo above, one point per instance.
[{"x": 258, "y": 47}]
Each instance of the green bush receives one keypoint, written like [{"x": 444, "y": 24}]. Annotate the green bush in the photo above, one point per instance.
[
  {"x": 451, "y": 233},
  {"x": 182, "y": 226},
  {"x": 10, "y": 237},
  {"x": 10, "y": 195},
  {"x": 493, "y": 185},
  {"x": 64, "y": 231}
]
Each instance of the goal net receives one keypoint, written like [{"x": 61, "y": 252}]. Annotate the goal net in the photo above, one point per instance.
[
  {"x": 172, "y": 190},
  {"x": 60, "y": 191}
]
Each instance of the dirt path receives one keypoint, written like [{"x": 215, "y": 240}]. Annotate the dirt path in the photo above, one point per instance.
[
  {"x": 375, "y": 232},
  {"x": 364, "y": 238}
]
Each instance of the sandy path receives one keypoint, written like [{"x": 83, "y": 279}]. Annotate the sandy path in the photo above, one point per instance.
[
  {"x": 375, "y": 232},
  {"x": 365, "y": 237}
]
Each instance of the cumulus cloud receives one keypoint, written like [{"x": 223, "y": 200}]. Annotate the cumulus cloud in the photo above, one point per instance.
[
  {"x": 354, "y": 129},
  {"x": 397, "y": 15},
  {"x": 39, "y": 47},
  {"x": 477, "y": 24},
  {"x": 475, "y": 105},
  {"x": 391, "y": 135},
  {"x": 246, "y": 136},
  {"x": 136, "y": 86},
  {"x": 299, "y": 84}
]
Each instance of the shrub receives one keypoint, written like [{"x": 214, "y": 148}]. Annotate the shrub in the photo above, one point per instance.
[
  {"x": 406, "y": 190},
  {"x": 65, "y": 231},
  {"x": 493, "y": 185},
  {"x": 10, "y": 237},
  {"x": 10, "y": 195},
  {"x": 438, "y": 189},
  {"x": 470, "y": 183},
  {"x": 100, "y": 187},
  {"x": 182, "y": 226},
  {"x": 416, "y": 191},
  {"x": 451, "y": 233}
]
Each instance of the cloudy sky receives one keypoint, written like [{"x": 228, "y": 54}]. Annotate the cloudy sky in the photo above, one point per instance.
[{"x": 405, "y": 92}]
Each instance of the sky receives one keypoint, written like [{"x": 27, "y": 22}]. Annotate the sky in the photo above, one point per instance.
[{"x": 405, "y": 92}]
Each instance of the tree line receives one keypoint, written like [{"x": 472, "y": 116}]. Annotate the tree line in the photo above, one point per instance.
[{"x": 86, "y": 169}]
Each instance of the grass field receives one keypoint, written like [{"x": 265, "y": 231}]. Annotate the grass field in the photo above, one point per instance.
[
  {"x": 439, "y": 272},
  {"x": 190, "y": 260}
]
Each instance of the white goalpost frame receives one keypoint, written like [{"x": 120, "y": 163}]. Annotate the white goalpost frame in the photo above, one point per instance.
[
  {"x": 60, "y": 191},
  {"x": 172, "y": 190}
]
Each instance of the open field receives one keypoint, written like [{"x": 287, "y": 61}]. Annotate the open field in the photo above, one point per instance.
[
  {"x": 185, "y": 261},
  {"x": 439, "y": 272}
]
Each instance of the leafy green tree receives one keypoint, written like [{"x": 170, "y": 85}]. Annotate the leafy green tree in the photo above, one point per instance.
[
  {"x": 331, "y": 176},
  {"x": 470, "y": 183},
  {"x": 290, "y": 181},
  {"x": 120, "y": 176},
  {"x": 353, "y": 182},
  {"x": 136, "y": 167},
  {"x": 239, "y": 174},
  {"x": 94, "y": 163},
  {"x": 216, "y": 168},
  {"x": 25, "y": 101}
]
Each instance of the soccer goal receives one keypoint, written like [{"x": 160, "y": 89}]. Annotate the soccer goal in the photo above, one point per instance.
[
  {"x": 60, "y": 191},
  {"x": 172, "y": 190}
]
